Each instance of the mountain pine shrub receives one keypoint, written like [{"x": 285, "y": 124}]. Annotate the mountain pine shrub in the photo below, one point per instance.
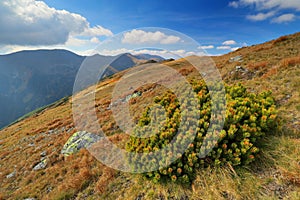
[{"x": 249, "y": 117}]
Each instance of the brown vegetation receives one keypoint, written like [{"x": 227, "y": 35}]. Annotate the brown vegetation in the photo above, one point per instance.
[
  {"x": 287, "y": 62},
  {"x": 258, "y": 66},
  {"x": 104, "y": 180},
  {"x": 81, "y": 175},
  {"x": 280, "y": 39}
]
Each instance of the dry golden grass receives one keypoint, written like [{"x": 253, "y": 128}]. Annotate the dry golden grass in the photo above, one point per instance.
[
  {"x": 105, "y": 179},
  {"x": 280, "y": 39},
  {"x": 275, "y": 175},
  {"x": 287, "y": 62},
  {"x": 258, "y": 66},
  {"x": 271, "y": 72}
]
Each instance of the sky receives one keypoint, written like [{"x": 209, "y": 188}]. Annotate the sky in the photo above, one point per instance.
[{"x": 217, "y": 26}]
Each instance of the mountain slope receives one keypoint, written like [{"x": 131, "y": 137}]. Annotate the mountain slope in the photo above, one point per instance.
[
  {"x": 31, "y": 79},
  {"x": 275, "y": 175}
]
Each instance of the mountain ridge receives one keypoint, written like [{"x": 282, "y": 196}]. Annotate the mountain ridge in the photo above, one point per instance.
[{"x": 34, "y": 78}]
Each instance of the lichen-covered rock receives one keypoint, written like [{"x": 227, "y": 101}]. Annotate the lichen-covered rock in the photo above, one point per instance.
[
  {"x": 41, "y": 165},
  {"x": 79, "y": 140}
]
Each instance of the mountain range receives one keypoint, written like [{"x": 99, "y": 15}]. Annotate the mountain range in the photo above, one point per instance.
[{"x": 32, "y": 79}]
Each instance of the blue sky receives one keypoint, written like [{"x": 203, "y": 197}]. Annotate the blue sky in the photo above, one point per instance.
[{"x": 219, "y": 26}]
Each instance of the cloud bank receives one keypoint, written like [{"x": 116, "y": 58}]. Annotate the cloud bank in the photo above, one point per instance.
[
  {"x": 30, "y": 22},
  {"x": 206, "y": 47},
  {"x": 284, "y": 18},
  {"x": 261, "y": 16},
  {"x": 267, "y": 4},
  {"x": 267, "y": 9},
  {"x": 229, "y": 42},
  {"x": 143, "y": 37}
]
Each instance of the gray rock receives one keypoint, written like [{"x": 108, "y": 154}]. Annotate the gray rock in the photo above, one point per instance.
[
  {"x": 79, "y": 140},
  {"x": 41, "y": 165},
  {"x": 49, "y": 189},
  {"x": 11, "y": 175},
  {"x": 125, "y": 99},
  {"x": 238, "y": 58},
  {"x": 71, "y": 129},
  {"x": 240, "y": 68},
  {"x": 43, "y": 154},
  {"x": 31, "y": 144}
]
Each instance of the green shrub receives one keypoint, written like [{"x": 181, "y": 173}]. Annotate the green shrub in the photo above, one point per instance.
[{"x": 248, "y": 118}]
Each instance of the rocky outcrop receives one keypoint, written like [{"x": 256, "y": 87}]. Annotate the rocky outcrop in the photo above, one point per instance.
[{"x": 79, "y": 140}]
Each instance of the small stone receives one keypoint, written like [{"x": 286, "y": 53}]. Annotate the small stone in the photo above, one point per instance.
[
  {"x": 11, "y": 175},
  {"x": 49, "y": 189},
  {"x": 71, "y": 129},
  {"x": 41, "y": 165},
  {"x": 140, "y": 197},
  {"x": 31, "y": 144},
  {"x": 240, "y": 69},
  {"x": 43, "y": 154}
]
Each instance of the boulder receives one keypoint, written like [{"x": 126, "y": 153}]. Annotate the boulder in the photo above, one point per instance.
[
  {"x": 238, "y": 58},
  {"x": 79, "y": 140},
  {"x": 41, "y": 165}
]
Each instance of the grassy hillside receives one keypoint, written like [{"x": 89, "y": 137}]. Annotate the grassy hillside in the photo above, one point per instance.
[{"x": 274, "y": 66}]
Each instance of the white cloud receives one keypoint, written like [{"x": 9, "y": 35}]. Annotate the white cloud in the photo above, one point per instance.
[
  {"x": 207, "y": 47},
  {"x": 267, "y": 4},
  {"x": 80, "y": 46},
  {"x": 30, "y": 22},
  {"x": 180, "y": 53},
  {"x": 229, "y": 42},
  {"x": 234, "y": 4},
  {"x": 224, "y": 47},
  {"x": 113, "y": 52},
  {"x": 261, "y": 16},
  {"x": 95, "y": 40},
  {"x": 227, "y": 48},
  {"x": 142, "y": 37},
  {"x": 96, "y": 31},
  {"x": 14, "y": 48},
  {"x": 244, "y": 44},
  {"x": 284, "y": 18},
  {"x": 75, "y": 42},
  {"x": 274, "y": 8},
  {"x": 234, "y": 48}
]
